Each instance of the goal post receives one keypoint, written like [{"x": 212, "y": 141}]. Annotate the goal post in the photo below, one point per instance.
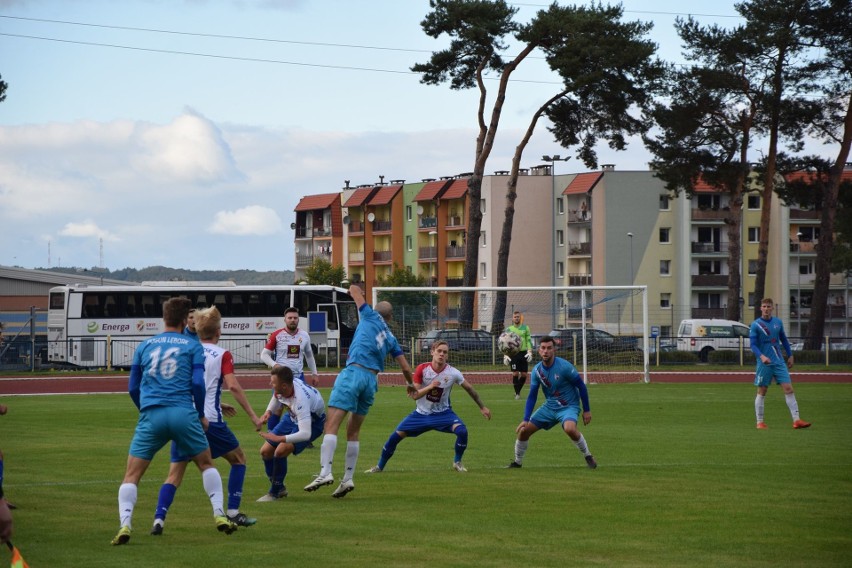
[{"x": 602, "y": 330}]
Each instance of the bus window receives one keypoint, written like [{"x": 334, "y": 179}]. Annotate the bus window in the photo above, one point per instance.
[
  {"x": 277, "y": 302},
  {"x": 131, "y": 308},
  {"x": 255, "y": 304},
  {"x": 149, "y": 307},
  {"x": 238, "y": 306},
  {"x": 110, "y": 306},
  {"x": 57, "y": 301},
  {"x": 92, "y": 306}
]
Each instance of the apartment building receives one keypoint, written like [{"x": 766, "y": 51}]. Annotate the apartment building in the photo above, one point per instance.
[{"x": 602, "y": 228}]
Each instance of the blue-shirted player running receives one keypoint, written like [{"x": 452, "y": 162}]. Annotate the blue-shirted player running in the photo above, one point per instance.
[
  {"x": 355, "y": 388},
  {"x": 563, "y": 389},
  {"x": 167, "y": 386},
  {"x": 767, "y": 337}
]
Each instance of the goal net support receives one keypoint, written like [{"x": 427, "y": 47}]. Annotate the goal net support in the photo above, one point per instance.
[{"x": 602, "y": 330}]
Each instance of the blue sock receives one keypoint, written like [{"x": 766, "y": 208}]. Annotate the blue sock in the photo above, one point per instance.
[
  {"x": 235, "y": 485},
  {"x": 279, "y": 472},
  {"x": 389, "y": 449},
  {"x": 167, "y": 495},
  {"x": 461, "y": 441}
]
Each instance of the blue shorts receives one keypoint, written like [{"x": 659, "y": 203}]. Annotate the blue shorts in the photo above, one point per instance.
[
  {"x": 415, "y": 423},
  {"x": 354, "y": 390},
  {"x": 546, "y": 418},
  {"x": 222, "y": 441},
  {"x": 765, "y": 373},
  {"x": 159, "y": 424},
  {"x": 287, "y": 426}
]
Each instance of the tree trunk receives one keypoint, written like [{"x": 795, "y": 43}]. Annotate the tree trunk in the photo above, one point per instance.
[{"x": 825, "y": 248}]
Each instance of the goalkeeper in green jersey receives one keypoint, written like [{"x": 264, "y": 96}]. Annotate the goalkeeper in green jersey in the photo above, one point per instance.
[{"x": 521, "y": 360}]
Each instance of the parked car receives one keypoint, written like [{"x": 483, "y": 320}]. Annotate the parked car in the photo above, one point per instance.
[
  {"x": 596, "y": 340},
  {"x": 459, "y": 339}
]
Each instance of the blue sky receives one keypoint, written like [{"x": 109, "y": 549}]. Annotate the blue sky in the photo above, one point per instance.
[{"x": 197, "y": 161}]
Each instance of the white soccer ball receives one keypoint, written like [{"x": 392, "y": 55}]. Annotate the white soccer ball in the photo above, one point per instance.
[{"x": 509, "y": 343}]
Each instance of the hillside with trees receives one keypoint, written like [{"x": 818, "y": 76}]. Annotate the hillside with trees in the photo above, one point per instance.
[{"x": 163, "y": 273}]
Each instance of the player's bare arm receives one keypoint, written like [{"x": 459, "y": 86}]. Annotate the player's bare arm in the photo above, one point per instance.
[{"x": 475, "y": 396}]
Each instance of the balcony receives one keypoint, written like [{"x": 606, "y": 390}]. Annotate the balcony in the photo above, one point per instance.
[
  {"x": 455, "y": 281},
  {"x": 838, "y": 312},
  {"x": 710, "y": 248},
  {"x": 709, "y": 313},
  {"x": 303, "y": 259},
  {"x": 804, "y": 214},
  {"x": 578, "y": 217},
  {"x": 583, "y": 249},
  {"x": 455, "y": 222},
  {"x": 709, "y": 214},
  {"x": 710, "y": 280},
  {"x": 427, "y": 223},
  {"x": 356, "y": 227},
  {"x": 381, "y": 256},
  {"x": 322, "y": 232},
  {"x": 456, "y": 251},
  {"x": 579, "y": 279},
  {"x": 356, "y": 257},
  {"x": 301, "y": 232},
  {"x": 382, "y": 226},
  {"x": 427, "y": 253},
  {"x": 806, "y": 247}
]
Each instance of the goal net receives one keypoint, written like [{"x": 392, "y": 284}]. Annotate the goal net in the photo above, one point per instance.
[{"x": 602, "y": 330}]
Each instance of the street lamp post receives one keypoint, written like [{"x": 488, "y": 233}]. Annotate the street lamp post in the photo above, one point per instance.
[
  {"x": 630, "y": 282},
  {"x": 553, "y": 159},
  {"x": 799, "y": 283}
]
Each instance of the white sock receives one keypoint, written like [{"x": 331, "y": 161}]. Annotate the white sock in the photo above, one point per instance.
[
  {"x": 520, "y": 450},
  {"x": 329, "y": 444},
  {"x": 582, "y": 446},
  {"x": 352, "y": 449},
  {"x": 792, "y": 405},
  {"x": 126, "y": 503},
  {"x": 213, "y": 486},
  {"x": 758, "y": 407}
]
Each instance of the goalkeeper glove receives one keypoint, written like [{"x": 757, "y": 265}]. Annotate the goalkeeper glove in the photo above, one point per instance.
[
  {"x": 529, "y": 356},
  {"x": 507, "y": 360}
]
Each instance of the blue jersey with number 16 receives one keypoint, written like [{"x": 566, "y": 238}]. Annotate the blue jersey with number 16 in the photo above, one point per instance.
[
  {"x": 163, "y": 368},
  {"x": 373, "y": 341}
]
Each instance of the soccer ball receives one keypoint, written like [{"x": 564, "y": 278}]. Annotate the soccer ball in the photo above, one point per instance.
[{"x": 509, "y": 343}]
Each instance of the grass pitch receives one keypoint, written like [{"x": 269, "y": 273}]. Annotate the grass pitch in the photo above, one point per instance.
[{"x": 684, "y": 479}]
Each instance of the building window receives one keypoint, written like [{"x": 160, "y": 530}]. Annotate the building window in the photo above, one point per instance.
[
  {"x": 752, "y": 267},
  {"x": 409, "y": 243},
  {"x": 809, "y": 234},
  {"x": 560, "y": 238},
  {"x": 753, "y": 202},
  {"x": 408, "y": 212},
  {"x": 482, "y": 239},
  {"x": 754, "y": 234},
  {"x": 806, "y": 268},
  {"x": 665, "y": 235},
  {"x": 483, "y": 273},
  {"x": 665, "y": 300},
  {"x": 482, "y": 206},
  {"x": 665, "y": 267},
  {"x": 560, "y": 270},
  {"x": 560, "y": 300},
  {"x": 560, "y": 206},
  {"x": 751, "y": 299},
  {"x": 665, "y": 203}
]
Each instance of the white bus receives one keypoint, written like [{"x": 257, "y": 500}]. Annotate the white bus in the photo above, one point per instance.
[{"x": 100, "y": 326}]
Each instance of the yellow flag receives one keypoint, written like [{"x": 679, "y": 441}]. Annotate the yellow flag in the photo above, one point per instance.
[{"x": 17, "y": 560}]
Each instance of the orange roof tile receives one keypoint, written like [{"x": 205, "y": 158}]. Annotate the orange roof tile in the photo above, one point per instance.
[
  {"x": 384, "y": 195},
  {"x": 583, "y": 183},
  {"x": 432, "y": 190},
  {"x": 456, "y": 190},
  {"x": 314, "y": 202},
  {"x": 359, "y": 196}
]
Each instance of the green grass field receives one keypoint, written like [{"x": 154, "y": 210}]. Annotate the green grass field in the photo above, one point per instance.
[{"x": 684, "y": 480}]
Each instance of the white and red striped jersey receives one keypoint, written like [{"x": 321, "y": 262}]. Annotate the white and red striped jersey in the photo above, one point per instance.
[{"x": 438, "y": 399}]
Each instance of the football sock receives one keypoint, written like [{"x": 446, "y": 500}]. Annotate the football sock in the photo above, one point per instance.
[
  {"x": 520, "y": 450},
  {"x": 213, "y": 486},
  {"x": 329, "y": 444},
  {"x": 758, "y": 407},
  {"x": 352, "y": 449},
  {"x": 126, "y": 502},
  {"x": 235, "y": 485},
  {"x": 582, "y": 446},
  {"x": 164, "y": 501},
  {"x": 516, "y": 384},
  {"x": 792, "y": 405},
  {"x": 461, "y": 442},
  {"x": 389, "y": 449},
  {"x": 279, "y": 472}
]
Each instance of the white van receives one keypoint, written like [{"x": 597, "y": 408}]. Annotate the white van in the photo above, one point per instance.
[{"x": 701, "y": 336}]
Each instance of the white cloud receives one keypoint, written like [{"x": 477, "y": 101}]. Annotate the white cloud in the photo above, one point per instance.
[
  {"x": 86, "y": 229},
  {"x": 254, "y": 220}
]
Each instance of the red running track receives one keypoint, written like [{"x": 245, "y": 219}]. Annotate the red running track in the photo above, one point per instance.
[{"x": 256, "y": 380}]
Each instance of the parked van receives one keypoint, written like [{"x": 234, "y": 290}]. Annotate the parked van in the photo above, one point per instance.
[{"x": 701, "y": 336}]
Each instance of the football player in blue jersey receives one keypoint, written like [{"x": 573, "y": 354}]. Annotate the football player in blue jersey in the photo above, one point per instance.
[{"x": 355, "y": 388}]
